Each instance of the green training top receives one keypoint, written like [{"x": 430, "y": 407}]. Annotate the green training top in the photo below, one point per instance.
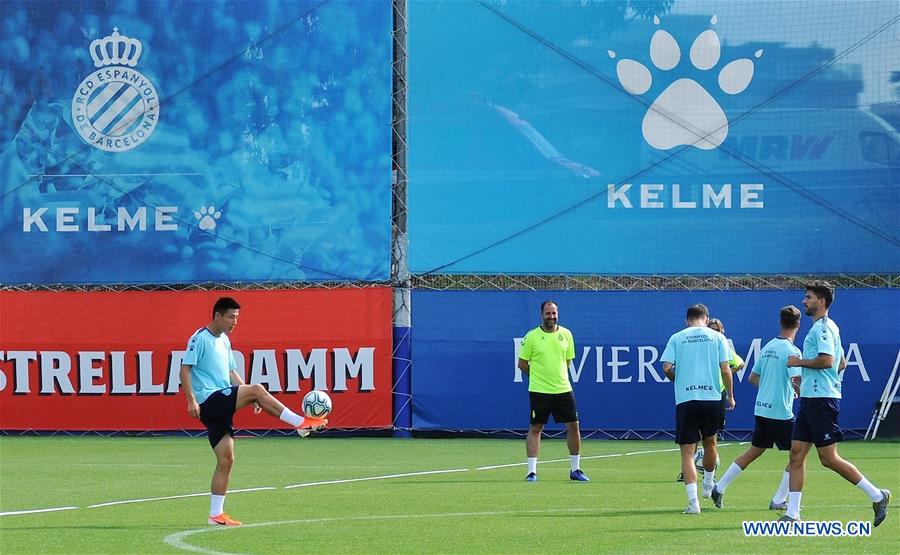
[{"x": 548, "y": 356}]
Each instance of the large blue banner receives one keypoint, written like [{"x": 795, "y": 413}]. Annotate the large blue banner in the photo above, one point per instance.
[
  {"x": 179, "y": 141},
  {"x": 659, "y": 137},
  {"x": 465, "y": 349}
]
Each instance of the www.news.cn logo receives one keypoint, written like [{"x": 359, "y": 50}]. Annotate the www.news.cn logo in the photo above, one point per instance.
[{"x": 815, "y": 528}]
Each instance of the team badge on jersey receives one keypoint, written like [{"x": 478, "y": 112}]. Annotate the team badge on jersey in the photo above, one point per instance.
[{"x": 115, "y": 108}]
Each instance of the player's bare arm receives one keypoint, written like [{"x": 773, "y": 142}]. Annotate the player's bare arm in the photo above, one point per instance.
[
  {"x": 669, "y": 370},
  {"x": 728, "y": 380},
  {"x": 754, "y": 379},
  {"x": 795, "y": 383},
  {"x": 523, "y": 365},
  {"x": 821, "y": 362},
  {"x": 192, "y": 407}
]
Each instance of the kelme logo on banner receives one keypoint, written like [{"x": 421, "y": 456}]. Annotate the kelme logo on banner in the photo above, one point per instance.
[
  {"x": 685, "y": 113},
  {"x": 115, "y": 108}
]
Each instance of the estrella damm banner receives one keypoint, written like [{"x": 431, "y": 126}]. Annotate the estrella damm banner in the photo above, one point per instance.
[{"x": 111, "y": 361}]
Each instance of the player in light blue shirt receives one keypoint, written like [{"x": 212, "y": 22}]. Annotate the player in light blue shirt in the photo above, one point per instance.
[
  {"x": 211, "y": 361},
  {"x": 215, "y": 391},
  {"x": 823, "y": 338},
  {"x": 774, "y": 406},
  {"x": 697, "y": 352},
  {"x": 695, "y": 358},
  {"x": 820, "y": 398},
  {"x": 775, "y": 399}
]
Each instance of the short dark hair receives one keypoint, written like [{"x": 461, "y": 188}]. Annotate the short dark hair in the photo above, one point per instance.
[
  {"x": 823, "y": 290},
  {"x": 696, "y": 311},
  {"x": 545, "y": 303},
  {"x": 224, "y": 304},
  {"x": 790, "y": 317}
]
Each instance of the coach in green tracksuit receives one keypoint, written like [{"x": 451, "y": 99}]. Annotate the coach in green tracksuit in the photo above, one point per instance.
[{"x": 545, "y": 355}]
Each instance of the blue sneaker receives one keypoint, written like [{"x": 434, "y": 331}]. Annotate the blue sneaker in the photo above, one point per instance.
[
  {"x": 578, "y": 476},
  {"x": 532, "y": 477}
]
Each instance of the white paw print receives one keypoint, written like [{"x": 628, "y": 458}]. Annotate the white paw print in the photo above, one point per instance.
[
  {"x": 685, "y": 113},
  {"x": 207, "y": 217}
]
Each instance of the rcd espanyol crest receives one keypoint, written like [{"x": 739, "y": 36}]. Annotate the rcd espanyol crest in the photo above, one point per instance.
[{"x": 116, "y": 107}]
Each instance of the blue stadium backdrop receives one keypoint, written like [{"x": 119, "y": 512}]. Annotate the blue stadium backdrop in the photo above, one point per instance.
[
  {"x": 171, "y": 141},
  {"x": 658, "y": 137},
  {"x": 465, "y": 349}
]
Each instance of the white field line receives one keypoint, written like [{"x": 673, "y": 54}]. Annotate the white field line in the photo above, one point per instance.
[
  {"x": 127, "y": 501},
  {"x": 32, "y": 511},
  {"x": 176, "y": 540},
  {"x": 331, "y": 482},
  {"x": 384, "y": 477},
  {"x": 590, "y": 457}
]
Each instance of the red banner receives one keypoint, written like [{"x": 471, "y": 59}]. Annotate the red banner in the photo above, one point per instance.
[{"x": 111, "y": 361}]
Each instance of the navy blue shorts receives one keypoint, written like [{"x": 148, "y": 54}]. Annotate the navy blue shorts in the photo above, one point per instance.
[
  {"x": 769, "y": 431},
  {"x": 217, "y": 412},
  {"x": 817, "y": 421},
  {"x": 695, "y": 420},
  {"x": 560, "y": 405}
]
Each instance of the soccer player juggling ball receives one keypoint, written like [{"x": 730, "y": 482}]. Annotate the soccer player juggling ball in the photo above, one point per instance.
[{"x": 215, "y": 391}]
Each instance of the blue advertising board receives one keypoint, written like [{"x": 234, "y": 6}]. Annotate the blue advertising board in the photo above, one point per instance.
[
  {"x": 174, "y": 142},
  {"x": 465, "y": 346},
  {"x": 663, "y": 137}
]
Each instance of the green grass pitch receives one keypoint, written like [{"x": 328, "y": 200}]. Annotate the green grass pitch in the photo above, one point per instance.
[{"x": 632, "y": 503}]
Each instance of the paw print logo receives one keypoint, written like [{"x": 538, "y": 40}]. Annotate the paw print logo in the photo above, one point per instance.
[
  {"x": 207, "y": 216},
  {"x": 685, "y": 113}
]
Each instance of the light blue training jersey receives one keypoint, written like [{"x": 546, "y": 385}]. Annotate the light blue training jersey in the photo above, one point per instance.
[
  {"x": 211, "y": 360},
  {"x": 775, "y": 398},
  {"x": 823, "y": 338},
  {"x": 696, "y": 352}
]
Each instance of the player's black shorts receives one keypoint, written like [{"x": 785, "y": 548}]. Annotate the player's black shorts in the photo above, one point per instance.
[
  {"x": 724, "y": 408},
  {"x": 217, "y": 412},
  {"x": 560, "y": 405},
  {"x": 769, "y": 431},
  {"x": 817, "y": 421},
  {"x": 695, "y": 420}
]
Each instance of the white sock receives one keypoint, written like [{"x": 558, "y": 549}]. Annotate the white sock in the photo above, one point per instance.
[
  {"x": 793, "y": 509},
  {"x": 290, "y": 417},
  {"x": 575, "y": 462},
  {"x": 692, "y": 494},
  {"x": 216, "y": 504},
  {"x": 532, "y": 465},
  {"x": 782, "y": 493},
  {"x": 733, "y": 472},
  {"x": 874, "y": 493},
  {"x": 709, "y": 478}
]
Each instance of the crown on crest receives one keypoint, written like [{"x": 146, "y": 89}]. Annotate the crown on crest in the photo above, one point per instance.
[{"x": 116, "y": 49}]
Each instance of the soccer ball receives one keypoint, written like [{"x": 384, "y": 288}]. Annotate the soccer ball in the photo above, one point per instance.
[
  {"x": 316, "y": 404},
  {"x": 698, "y": 460}
]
